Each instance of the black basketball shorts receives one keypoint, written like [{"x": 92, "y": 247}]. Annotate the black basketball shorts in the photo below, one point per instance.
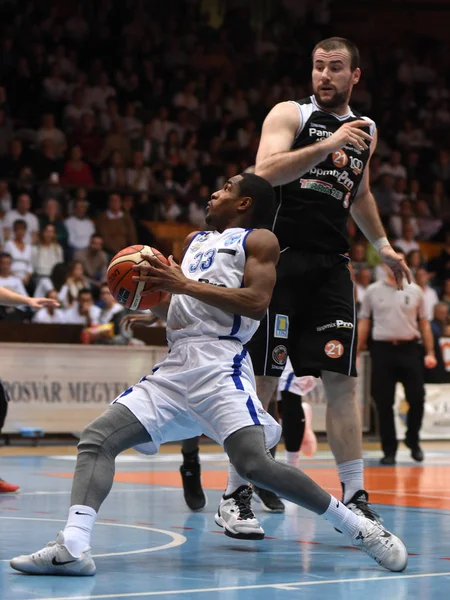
[
  {"x": 311, "y": 318},
  {"x": 3, "y": 405}
]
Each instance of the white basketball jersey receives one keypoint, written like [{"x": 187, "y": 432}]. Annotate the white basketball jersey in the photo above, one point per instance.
[{"x": 214, "y": 259}]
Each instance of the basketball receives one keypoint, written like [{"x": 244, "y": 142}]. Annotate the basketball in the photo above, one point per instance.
[{"x": 120, "y": 278}]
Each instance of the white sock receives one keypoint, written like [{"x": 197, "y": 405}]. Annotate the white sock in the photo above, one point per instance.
[
  {"x": 292, "y": 458},
  {"x": 234, "y": 480},
  {"x": 342, "y": 518},
  {"x": 78, "y": 530},
  {"x": 351, "y": 474}
]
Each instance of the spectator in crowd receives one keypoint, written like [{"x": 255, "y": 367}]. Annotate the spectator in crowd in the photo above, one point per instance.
[
  {"x": 358, "y": 256},
  {"x": 13, "y": 163},
  {"x": 5, "y": 197},
  {"x": 116, "y": 140},
  {"x": 170, "y": 210},
  {"x": 404, "y": 215},
  {"x": 445, "y": 296},
  {"x": 384, "y": 195},
  {"x": 422, "y": 278},
  {"x": 363, "y": 280},
  {"x": 94, "y": 260},
  {"x": 427, "y": 225},
  {"x": 49, "y": 131},
  {"x": 116, "y": 227},
  {"x": 47, "y": 161},
  {"x": 99, "y": 94},
  {"x": 139, "y": 178},
  {"x": 441, "y": 166},
  {"x": 407, "y": 242},
  {"x": 47, "y": 252},
  {"x": 415, "y": 260},
  {"x": 440, "y": 327},
  {"x": 196, "y": 213},
  {"x": 74, "y": 111},
  {"x": 108, "y": 305},
  {"x": 76, "y": 170},
  {"x": 83, "y": 311},
  {"x": 440, "y": 322},
  {"x": 148, "y": 145},
  {"x": 79, "y": 226},
  {"x": 22, "y": 212},
  {"x": 20, "y": 252},
  {"x": 75, "y": 281},
  {"x": 87, "y": 137},
  {"x": 132, "y": 126},
  {"x": 13, "y": 283},
  {"x": 51, "y": 214},
  {"x": 394, "y": 167},
  {"x": 115, "y": 175},
  {"x": 162, "y": 125},
  {"x": 50, "y": 314}
]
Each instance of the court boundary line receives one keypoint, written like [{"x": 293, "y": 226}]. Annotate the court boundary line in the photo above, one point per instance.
[
  {"x": 177, "y": 538},
  {"x": 288, "y": 586}
]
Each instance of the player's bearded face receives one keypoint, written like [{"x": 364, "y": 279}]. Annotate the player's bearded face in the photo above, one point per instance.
[{"x": 332, "y": 78}]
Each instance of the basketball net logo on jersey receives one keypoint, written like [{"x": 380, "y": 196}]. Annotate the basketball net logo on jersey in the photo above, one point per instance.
[{"x": 340, "y": 159}]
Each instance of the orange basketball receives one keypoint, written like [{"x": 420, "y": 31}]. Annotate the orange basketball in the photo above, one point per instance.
[{"x": 120, "y": 278}]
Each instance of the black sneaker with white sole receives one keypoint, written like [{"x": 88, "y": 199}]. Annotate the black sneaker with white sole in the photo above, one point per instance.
[
  {"x": 269, "y": 500},
  {"x": 194, "y": 495}
]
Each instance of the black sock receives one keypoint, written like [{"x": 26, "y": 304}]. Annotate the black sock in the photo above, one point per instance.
[
  {"x": 190, "y": 458},
  {"x": 293, "y": 423}
]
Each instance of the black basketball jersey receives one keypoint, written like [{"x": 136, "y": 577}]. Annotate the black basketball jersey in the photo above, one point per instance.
[{"x": 313, "y": 211}]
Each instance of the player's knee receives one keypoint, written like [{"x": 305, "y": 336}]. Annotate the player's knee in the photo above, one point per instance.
[
  {"x": 252, "y": 466},
  {"x": 91, "y": 439}
]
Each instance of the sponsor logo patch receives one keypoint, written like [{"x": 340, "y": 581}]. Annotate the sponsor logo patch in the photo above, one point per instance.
[
  {"x": 123, "y": 295},
  {"x": 281, "y": 329},
  {"x": 232, "y": 239},
  {"x": 338, "y": 324},
  {"x": 279, "y": 355},
  {"x": 334, "y": 349},
  {"x": 198, "y": 241}
]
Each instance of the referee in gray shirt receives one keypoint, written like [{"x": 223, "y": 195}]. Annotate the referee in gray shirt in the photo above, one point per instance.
[{"x": 399, "y": 322}]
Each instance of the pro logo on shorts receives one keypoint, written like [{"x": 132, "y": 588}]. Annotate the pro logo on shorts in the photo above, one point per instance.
[
  {"x": 334, "y": 349},
  {"x": 281, "y": 329},
  {"x": 340, "y": 159},
  {"x": 279, "y": 355}
]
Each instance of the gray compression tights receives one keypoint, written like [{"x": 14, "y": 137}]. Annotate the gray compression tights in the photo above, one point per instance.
[
  {"x": 106, "y": 437},
  {"x": 247, "y": 452}
]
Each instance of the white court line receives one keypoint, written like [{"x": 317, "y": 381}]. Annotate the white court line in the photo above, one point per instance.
[
  {"x": 177, "y": 538},
  {"x": 126, "y": 491},
  {"x": 281, "y": 586}
]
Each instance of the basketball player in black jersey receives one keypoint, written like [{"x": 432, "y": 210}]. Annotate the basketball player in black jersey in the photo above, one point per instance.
[{"x": 317, "y": 151}]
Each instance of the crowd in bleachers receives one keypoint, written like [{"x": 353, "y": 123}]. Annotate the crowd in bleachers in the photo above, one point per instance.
[{"x": 116, "y": 113}]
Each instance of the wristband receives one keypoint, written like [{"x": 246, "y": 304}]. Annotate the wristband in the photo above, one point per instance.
[{"x": 380, "y": 243}]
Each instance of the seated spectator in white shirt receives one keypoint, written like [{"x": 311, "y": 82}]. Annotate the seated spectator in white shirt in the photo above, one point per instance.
[
  {"x": 170, "y": 210},
  {"x": 110, "y": 306},
  {"x": 20, "y": 252},
  {"x": 139, "y": 177},
  {"x": 79, "y": 226},
  {"x": 47, "y": 253},
  {"x": 22, "y": 212},
  {"x": 75, "y": 281},
  {"x": 99, "y": 93},
  {"x": 404, "y": 214},
  {"x": 7, "y": 279},
  {"x": 429, "y": 294},
  {"x": 83, "y": 312},
  {"x": 131, "y": 124},
  {"x": 50, "y": 314},
  {"x": 394, "y": 166},
  {"x": 75, "y": 110},
  {"x": 407, "y": 242}
]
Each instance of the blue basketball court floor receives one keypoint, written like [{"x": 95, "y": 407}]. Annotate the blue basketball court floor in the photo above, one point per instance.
[{"x": 148, "y": 544}]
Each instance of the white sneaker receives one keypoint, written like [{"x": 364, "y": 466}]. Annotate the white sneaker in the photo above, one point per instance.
[
  {"x": 235, "y": 515},
  {"x": 383, "y": 546},
  {"x": 55, "y": 559}
]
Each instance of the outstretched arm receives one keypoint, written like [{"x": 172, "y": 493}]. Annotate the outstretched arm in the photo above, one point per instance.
[
  {"x": 252, "y": 300},
  {"x": 9, "y": 298}
]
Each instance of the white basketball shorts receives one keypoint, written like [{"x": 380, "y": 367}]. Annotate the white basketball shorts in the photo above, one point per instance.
[{"x": 203, "y": 385}]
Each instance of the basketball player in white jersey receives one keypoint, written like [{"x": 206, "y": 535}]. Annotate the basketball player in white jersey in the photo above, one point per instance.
[{"x": 205, "y": 384}]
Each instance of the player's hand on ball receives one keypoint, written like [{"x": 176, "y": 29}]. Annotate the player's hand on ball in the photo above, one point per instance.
[
  {"x": 349, "y": 133},
  {"x": 162, "y": 277},
  {"x": 397, "y": 264},
  {"x": 41, "y": 302},
  {"x": 430, "y": 361}
]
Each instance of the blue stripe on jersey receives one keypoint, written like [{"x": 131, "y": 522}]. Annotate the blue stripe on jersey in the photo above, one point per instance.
[
  {"x": 244, "y": 240},
  {"x": 252, "y": 411},
  {"x": 289, "y": 381},
  {"x": 236, "y": 375},
  {"x": 236, "y": 324},
  {"x": 125, "y": 393}
]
